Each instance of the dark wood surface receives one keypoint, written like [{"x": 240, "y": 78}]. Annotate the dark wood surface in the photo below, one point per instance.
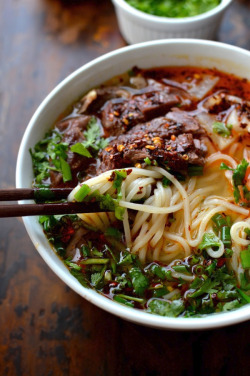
[{"x": 47, "y": 329}]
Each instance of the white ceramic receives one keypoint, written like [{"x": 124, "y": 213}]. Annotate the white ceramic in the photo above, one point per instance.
[
  {"x": 137, "y": 26},
  {"x": 158, "y": 53}
]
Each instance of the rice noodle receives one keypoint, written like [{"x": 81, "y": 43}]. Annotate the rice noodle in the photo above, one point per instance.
[{"x": 155, "y": 236}]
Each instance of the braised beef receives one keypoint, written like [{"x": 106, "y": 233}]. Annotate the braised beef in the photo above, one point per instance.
[{"x": 173, "y": 141}]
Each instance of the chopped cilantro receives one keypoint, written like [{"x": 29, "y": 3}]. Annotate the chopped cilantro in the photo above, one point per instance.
[
  {"x": 93, "y": 139},
  {"x": 222, "y": 129},
  {"x": 139, "y": 280},
  {"x": 209, "y": 240},
  {"x": 166, "y": 182},
  {"x": 79, "y": 148},
  {"x": 238, "y": 179},
  {"x": 165, "y": 308}
]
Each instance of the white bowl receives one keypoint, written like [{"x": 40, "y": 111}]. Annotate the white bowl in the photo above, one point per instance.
[
  {"x": 137, "y": 26},
  {"x": 158, "y": 53}
]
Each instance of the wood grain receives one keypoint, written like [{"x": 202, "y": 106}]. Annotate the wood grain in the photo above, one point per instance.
[{"x": 47, "y": 329}]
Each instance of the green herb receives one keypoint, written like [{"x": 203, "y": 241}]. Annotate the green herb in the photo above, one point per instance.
[
  {"x": 79, "y": 148},
  {"x": 225, "y": 236},
  {"x": 247, "y": 231},
  {"x": 147, "y": 161},
  {"x": 126, "y": 258},
  {"x": 96, "y": 278},
  {"x": 93, "y": 139},
  {"x": 209, "y": 240},
  {"x": 72, "y": 265},
  {"x": 180, "y": 269},
  {"x": 92, "y": 261},
  {"x": 65, "y": 170},
  {"x": 50, "y": 154},
  {"x": 113, "y": 232},
  {"x": 166, "y": 182},
  {"x": 238, "y": 178},
  {"x": 139, "y": 300},
  {"x": 243, "y": 295},
  {"x": 222, "y": 129},
  {"x": 121, "y": 300},
  {"x": 173, "y": 8},
  {"x": 219, "y": 220},
  {"x": 120, "y": 175},
  {"x": 244, "y": 282},
  {"x": 139, "y": 281},
  {"x": 165, "y": 308},
  {"x": 158, "y": 270},
  {"x": 245, "y": 258},
  {"x": 80, "y": 277},
  {"x": 82, "y": 193}
]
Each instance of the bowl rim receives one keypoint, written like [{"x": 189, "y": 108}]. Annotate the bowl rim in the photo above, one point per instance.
[
  {"x": 142, "y": 16},
  {"x": 136, "y": 316}
]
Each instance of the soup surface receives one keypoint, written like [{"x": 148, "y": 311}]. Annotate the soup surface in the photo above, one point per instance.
[{"x": 165, "y": 152}]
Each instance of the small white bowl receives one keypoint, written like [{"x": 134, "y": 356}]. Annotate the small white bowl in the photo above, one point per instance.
[
  {"x": 181, "y": 52},
  {"x": 137, "y": 26}
]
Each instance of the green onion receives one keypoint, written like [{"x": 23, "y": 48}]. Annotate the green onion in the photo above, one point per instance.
[
  {"x": 225, "y": 236},
  {"x": 72, "y": 265},
  {"x": 210, "y": 268},
  {"x": 245, "y": 258},
  {"x": 93, "y": 261},
  {"x": 82, "y": 193},
  {"x": 147, "y": 161},
  {"x": 243, "y": 295},
  {"x": 122, "y": 301},
  {"x": 180, "y": 269},
  {"x": 219, "y": 220},
  {"x": 198, "y": 269},
  {"x": 139, "y": 300}
]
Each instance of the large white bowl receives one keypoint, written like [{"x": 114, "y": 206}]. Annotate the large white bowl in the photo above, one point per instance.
[
  {"x": 137, "y": 26},
  {"x": 152, "y": 54}
]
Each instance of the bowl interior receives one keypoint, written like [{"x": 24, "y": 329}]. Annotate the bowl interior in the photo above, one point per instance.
[{"x": 151, "y": 54}]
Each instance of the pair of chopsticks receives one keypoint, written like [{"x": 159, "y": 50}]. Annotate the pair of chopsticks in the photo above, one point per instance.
[{"x": 54, "y": 194}]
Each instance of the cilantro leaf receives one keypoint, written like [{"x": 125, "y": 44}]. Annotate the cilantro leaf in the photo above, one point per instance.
[
  {"x": 209, "y": 240},
  {"x": 79, "y": 148},
  {"x": 222, "y": 129},
  {"x": 238, "y": 179},
  {"x": 165, "y": 308},
  {"x": 93, "y": 139},
  {"x": 139, "y": 281}
]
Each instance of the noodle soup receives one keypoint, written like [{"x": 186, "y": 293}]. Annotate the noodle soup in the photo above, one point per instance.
[{"x": 166, "y": 154}]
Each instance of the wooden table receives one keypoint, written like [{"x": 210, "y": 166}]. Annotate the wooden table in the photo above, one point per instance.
[{"x": 47, "y": 329}]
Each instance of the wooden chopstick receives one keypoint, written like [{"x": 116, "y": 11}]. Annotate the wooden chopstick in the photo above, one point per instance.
[
  {"x": 33, "y": 193},
  {"x": 22, "y": 210}
]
